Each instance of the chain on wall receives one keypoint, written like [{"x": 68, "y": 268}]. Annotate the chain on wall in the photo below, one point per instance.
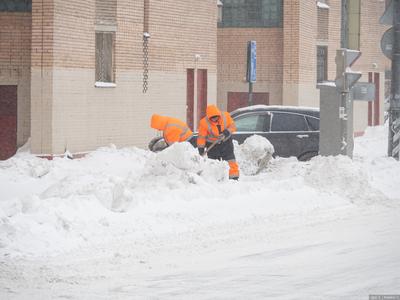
[{"x": 145, "y": 63}]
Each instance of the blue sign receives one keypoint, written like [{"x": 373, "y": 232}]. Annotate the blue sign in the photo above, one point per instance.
[{"x": 251, "y": 75}]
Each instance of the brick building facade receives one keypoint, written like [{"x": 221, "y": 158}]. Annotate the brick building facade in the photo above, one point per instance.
[
  {"x": 76, "y": 75},
  {"x": 292, "y": 48},
  {"x": 79, "y": 68}
]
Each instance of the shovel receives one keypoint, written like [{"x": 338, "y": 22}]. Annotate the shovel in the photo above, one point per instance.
[{"x": 217, "y": 141}]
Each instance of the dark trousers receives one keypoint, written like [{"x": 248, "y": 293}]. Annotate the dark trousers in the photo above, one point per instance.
[{"x": 223, "y": 151}]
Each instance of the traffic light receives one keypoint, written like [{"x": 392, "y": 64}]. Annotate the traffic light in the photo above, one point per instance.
[{"x": 345, "y": 77}]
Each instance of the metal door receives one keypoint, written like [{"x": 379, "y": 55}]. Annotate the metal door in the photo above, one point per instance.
[
  {"x": 240, "y": 99},
  {"x": 8, "y": 121}
]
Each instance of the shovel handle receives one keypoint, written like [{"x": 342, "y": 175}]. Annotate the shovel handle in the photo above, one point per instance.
[{"x": 217, "y": 141}]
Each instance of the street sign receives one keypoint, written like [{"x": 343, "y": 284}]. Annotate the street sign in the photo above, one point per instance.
[
  {"x": 387, "y": 42},
  {"x": 251, "y": 74},
  {"x": 363, "y": 91}
]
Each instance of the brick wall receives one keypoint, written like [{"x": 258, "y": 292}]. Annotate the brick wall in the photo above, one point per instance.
[
  {"x": 299, "y": 63},
  {"x": 323, "y": 24},
  {"x": 84, "y": 117},
  {"x": 232, "y": 56},
  {"x": 15, "y": 45},
  {"x": 372, "y": 59},
  {"x": 291, "y": 53},
  {"x": 42, "y": 75}
]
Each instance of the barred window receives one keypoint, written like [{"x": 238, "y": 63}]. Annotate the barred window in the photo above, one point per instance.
[
  {"x": 322, "y": 63},
  {"x": 251, "y": 13},
  {"x": 16, "y": 5},
  {"x": 105, "y": 56}
]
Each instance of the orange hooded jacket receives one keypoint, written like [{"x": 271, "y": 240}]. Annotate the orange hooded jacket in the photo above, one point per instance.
[
  {"x": 174, "y": 130},
  {"x": 208, "y": 130}
]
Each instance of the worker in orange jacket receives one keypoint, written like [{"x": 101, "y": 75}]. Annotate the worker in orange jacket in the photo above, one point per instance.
[
  {"x": 174, "y": 130},
  {"x": 217, "y": 125}
]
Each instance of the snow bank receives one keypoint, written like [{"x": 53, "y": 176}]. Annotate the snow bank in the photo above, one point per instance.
[
  {"x": 49, "y": 207},
  {"x": 342, "y": 176},
  {"x": 183, "y": 160}
]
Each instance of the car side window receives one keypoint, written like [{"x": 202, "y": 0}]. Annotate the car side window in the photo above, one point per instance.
[
  {"x": 251, "y": 122},
  {"x": 288, "y": 122},
  {"x": 313, "y": 123}
]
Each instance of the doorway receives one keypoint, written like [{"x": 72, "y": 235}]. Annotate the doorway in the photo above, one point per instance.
[
  {"x": 240, "y": 99},
  {"x": 8, "y": 121},
  {"x": 201, "y": 96}
]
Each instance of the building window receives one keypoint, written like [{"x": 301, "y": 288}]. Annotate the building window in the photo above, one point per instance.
[
  {"x": 105, "y": 56},
  {"x": 322, "y": 63},
  {"x": 16, "y": 5},
  {"x": 251, "y": 13}
]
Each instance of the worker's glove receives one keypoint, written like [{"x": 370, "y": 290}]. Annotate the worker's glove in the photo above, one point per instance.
[
  {"x": 201, "y": 151},
  {"x": 227, "y": 134}
]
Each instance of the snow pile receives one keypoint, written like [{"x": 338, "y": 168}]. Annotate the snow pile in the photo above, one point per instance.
[
  {"x": 373, "y": 144},
  {"x": 183, "y": 160},
  {"x": 342, "y": 176},
  {"x": 25, "y": 164},
  {"x": 50, "y": 207},
  {"x": 254, "y": 154}
]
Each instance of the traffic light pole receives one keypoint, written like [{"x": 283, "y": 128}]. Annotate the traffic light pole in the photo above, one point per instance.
[
  {"x": 394, "y": 110},
  {"x": 345, "y": 113}
]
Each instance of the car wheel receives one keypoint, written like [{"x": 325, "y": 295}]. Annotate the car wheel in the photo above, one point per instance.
[
  {"x": 157, "y": 144},
  {"x": 307, "y": 156}
]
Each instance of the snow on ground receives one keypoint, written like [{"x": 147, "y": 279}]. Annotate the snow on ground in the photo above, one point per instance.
[{"x": 131, "y": 224}]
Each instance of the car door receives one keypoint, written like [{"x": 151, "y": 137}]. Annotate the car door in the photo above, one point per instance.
[
  {"x": 251, "y": 123},
  {"x": 289, "y": 134},
  {"x": 313, "y": 131}
]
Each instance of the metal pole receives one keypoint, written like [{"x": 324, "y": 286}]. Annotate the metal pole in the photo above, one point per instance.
[
  {"x": 394, "y": 109},
  {"x": 250, "y": 93},
  {"x": 344, "y": 27},
  {"x": 196, "y": 113},
  {"x": 344, "y": 107}
]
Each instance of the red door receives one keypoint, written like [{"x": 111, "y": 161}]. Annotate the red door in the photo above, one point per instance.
[
  {"x": 189, "y": 97},
  {"x": 241, "y": 99},
  {"x": 8, "y": 121},
  {"x": 201, "y": 96}
]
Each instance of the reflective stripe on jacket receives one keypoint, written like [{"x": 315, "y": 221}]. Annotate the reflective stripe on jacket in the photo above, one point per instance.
[
  {"x": 208, "y": 130},
  {"x": 174, "y": 130}
]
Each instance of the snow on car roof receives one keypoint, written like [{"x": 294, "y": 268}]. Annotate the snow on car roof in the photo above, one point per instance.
[{"x": 274, "y": 107}]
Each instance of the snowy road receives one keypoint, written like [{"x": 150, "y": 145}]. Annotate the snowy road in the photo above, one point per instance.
[
  {"x": 321, "y": 256},
  {"x": 110, "y": 226}
]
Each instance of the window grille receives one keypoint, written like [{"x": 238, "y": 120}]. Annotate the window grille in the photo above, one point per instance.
[
  {"x": 105, "y": 56},
  {"x": 252, "y": 13},
  {"x": 322, "y": 63}
]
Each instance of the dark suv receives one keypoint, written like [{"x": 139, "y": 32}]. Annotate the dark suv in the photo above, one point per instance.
[{"x": 292, "y": 130}]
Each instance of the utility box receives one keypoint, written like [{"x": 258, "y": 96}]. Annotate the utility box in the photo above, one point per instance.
[
  {"x": 332, "y": 118},
  {"x": 336, "y": 105}
]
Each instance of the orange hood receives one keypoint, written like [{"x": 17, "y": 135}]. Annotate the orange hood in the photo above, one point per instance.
[
  {"x": 212, "y": 111},
  {"x": 158, "y": 122}
]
